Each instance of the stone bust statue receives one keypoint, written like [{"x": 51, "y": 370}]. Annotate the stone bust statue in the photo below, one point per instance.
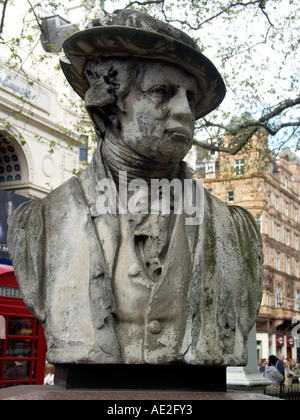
[{"x": 142, "y": 285}]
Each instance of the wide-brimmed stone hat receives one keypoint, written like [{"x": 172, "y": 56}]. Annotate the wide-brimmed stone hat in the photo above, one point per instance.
[{"x": 130, "y": 33}]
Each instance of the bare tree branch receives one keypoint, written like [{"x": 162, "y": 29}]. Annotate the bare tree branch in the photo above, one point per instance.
[
  {"x": 289, "y": 103},
  {"x": 144, "y": 3},
  {"x": 35, "y": 15},
  {"x": 240, "y": 141},
  {"x": 231, "y": 6},
  {"x": 288, "y": 139},
  {"x": 3, "y": 16},
  {"x": 242, "y": 133},
  {"x": 279, "y": 127},
  {"x": 260, "y": 3}
]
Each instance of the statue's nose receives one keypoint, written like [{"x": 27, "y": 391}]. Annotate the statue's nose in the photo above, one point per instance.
[{"x": 180, "y": 109}]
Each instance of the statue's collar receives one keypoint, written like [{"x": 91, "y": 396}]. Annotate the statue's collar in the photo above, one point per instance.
[{"x": 119, "y": 157}]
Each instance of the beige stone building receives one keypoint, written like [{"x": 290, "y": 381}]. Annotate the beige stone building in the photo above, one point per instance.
[
  {"x": 270, "y": 190},
  {"x": 44, "y": 136}
]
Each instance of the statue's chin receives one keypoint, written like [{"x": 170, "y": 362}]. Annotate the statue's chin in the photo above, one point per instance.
[{"x": 172, "y": 149}]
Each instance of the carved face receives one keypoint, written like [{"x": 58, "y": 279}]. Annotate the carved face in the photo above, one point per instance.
[{"x": 158, "y": 113}]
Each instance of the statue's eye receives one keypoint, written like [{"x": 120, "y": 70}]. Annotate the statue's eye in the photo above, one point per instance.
[
  {"x": 159, "y": 91},
  {"x": 191, "y": 97}
]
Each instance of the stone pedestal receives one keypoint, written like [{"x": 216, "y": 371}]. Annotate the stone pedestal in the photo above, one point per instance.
[
  {"x": 247, "y": 378},
  {"x": 141, "y": 377}
]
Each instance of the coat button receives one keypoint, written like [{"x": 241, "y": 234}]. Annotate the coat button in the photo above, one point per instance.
[
  {"x": 155, "y": 327},
  {"x": 134, "y": 270}
]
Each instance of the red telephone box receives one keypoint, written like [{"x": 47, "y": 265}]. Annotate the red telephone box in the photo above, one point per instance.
[{"x": 22, "y": 340}]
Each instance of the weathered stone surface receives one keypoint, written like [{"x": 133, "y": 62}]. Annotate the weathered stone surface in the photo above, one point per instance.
[
  {"x": 132, "y": 284},
  {"x": 134, "y": 35}
]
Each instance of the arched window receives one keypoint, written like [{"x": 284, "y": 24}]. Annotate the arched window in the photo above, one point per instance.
[
  {"x": 278, "y": 296},
  {"x": 11, "y": 161}
]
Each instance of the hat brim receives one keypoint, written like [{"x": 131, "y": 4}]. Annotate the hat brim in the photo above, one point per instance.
[{"x": 126, "y": 42}]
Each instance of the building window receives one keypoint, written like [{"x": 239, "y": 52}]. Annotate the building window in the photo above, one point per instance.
[
  {"x": 239, "y": 167},
  {"x": 259, "y": 221},
  {"x": 278, "y": 296},
  {"x": 200, "y": 166},
  {"x": 277, "y": 232},
  {"x": 83, "y": 153},
  {"x": 210, "y": 167},
  {"x": 286, "y": 208},
  {"x": 83, "y": 149},
  {"x": 266, "y": 224},
  {"x": 277, "y": 261},
  {"x": 296, "y": 242},
  {"x": 288, "y": 302},
  {"x": 287, "y": 265},
  {"x": 297, "y": 269},
  {"x": 296, "y": 215},
  {"x": 230, "y": 196},
  {"x": 297, "y": 300},
  {"x": 276, "y": 202},
  {"x": 10, "y": 167},
  {"x": 287, "y": 237}
]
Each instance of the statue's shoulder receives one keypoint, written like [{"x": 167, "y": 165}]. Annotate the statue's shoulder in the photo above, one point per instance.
[
  {"x": 231, "y": 217},
  {"x": 35, "y": 207},
  {"x": 28, "y": 219},
  {"x": 246, "y": 219},
  {"x": 64, "y": 192},
  {"x": 26, "y": 237}
]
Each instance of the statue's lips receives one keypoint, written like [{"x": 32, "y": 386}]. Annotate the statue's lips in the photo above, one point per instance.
[{"x": 180, "y": 134}]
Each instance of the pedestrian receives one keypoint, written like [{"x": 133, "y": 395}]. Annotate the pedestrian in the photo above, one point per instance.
[
  {"x": 262, "y": 367},
  {"x": 280, "y": 364},
  {"x": 291, "y": 376},
  {"x": 272, "y": 373},
  {"x": 49, "y": 374},
  {"x": 297, "y": 371}
]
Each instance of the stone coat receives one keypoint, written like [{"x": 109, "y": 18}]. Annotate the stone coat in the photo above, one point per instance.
[{"x": 66, "y": 262}]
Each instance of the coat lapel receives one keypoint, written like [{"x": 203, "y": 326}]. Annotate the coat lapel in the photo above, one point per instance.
[{"x": 106, "y": 226}]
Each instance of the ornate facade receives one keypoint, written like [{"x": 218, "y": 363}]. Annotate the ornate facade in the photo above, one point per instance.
[{"x": 271, "y": 192}]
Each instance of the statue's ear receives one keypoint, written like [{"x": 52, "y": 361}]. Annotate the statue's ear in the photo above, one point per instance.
[
  {"x": 112, "y": 113},
  {"x": 104, "y": 117},
  {"x": 110, "y": 80}
]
